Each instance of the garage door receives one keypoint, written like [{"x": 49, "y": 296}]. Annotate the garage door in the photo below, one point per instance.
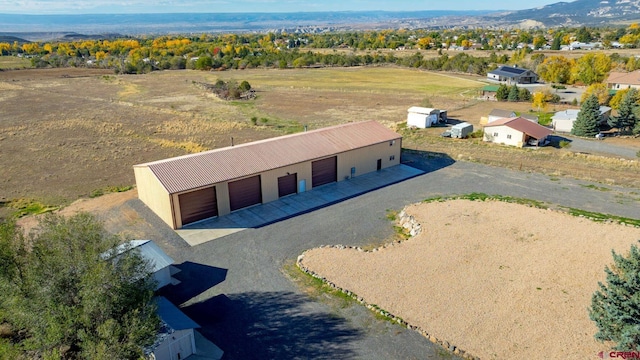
[
  {"x": 287, "y": 185},
  {"x": 324, "y": 171},
  {"x": 198, "y": 205},
  {"x": 245, "y": 192}
]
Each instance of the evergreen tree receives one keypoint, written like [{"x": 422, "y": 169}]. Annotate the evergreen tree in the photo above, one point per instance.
[
  {"x": 587, "y": 122},
  {"x": 626, "y": 119},
  {"x": 615, "y": 308},
  {"x": 513, "y": 93},
  {"x": 524, "y": 94},
  {"x": 555, "y": 45},
  {"x": 502, "y": 93}
]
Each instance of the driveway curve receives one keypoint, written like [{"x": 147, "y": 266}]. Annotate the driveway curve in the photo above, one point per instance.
[{"x": 236, "y": 289}]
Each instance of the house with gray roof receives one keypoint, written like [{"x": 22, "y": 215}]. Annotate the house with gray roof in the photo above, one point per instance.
[
  {"x": 512, "y": 75},
  {"x": 562, "y": 121}
]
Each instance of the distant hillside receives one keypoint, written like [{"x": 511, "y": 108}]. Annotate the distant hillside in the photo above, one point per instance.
[{"x": 11, "y": 39}]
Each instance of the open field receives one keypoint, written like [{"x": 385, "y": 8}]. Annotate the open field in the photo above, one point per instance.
[
  {"x": 432, "y": 53},
  {"x": 499, "y": 287},
  {"x": 13, "y": 62},
  {"x": 69, "y": 133}
]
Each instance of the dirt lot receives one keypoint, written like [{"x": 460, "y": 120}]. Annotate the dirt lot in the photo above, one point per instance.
[{"x": 499, "y": 287}]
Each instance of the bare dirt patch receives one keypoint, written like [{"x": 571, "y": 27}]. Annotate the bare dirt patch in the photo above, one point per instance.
[{"x": 499, "y": 280}]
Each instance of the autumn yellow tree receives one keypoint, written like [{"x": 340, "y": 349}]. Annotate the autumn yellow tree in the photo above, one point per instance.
[
  {"x": 591, "y": 68},
  {"x": 555, "y": 69},
  {"x": 617, "y": 98},
  {"x": 539, "y": 101},
  {"x": 600, "y": 90}
]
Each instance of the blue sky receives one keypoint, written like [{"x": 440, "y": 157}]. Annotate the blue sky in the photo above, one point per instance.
[{"x": 212, "y": 6}]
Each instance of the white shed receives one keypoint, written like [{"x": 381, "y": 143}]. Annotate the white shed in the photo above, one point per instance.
[
  {"x": 422, "y": 117},
  {"x": 159, "y": 261},
  {"x": 176, "y": 338}
]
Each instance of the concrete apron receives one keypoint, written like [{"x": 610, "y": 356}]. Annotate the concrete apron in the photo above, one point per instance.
[{"x": 293, "y": 205}]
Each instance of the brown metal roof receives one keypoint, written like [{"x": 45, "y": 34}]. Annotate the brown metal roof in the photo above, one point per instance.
[
  {"x": 523, "y": 125},
  {"x": 197, "y": 170},
  {"x": 624, "y": 78}
]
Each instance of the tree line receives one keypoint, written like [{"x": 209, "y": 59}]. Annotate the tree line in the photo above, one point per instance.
[{"x": 287, "y": 50}]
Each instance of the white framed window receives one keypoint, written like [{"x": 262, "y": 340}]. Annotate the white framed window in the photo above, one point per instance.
[
  {"x": 392, "y": 157},
  {"x": 508, "y": 136},
  {"x": 495, "y": 134}
]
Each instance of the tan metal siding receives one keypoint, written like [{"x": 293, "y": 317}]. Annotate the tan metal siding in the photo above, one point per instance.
[
  {"x": 153, "y": 194},
  {"x": 269, "y": 179},
  {"x": 365, "y": 159}
]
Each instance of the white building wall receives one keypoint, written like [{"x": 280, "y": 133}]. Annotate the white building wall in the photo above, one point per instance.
[
  {"x": 562, "y": 125},
  {"x": 178, "y": 345},
  {"x": 504, "y": 135},
  {"x": 421, "y": 120}
]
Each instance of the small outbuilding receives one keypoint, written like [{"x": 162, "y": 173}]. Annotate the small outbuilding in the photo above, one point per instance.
[
  {"x": 516, "y": 131},
  {"x": 176, "y": 338},
  {"x": 160, "y": 263},
  {"x": 194, "y": 187},
  {"x": 422, "y": 117}
]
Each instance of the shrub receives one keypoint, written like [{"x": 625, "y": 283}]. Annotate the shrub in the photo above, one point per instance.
[{"x": 564, "y": 144}]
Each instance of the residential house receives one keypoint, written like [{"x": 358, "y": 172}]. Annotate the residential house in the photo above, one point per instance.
[
  {"x": 516, "y": 131},
  {"x": 623, "y": 80},
  {"x": 512, "y": 75},
  {"x": 562, "y": 121}
]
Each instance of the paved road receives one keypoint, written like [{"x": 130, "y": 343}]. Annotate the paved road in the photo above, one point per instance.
[
  {"x": 235, "y": 288},
  {"x": 601, "y": 147}
]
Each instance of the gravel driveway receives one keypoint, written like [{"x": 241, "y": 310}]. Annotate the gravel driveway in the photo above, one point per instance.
[{"x": 236, "y": 289}]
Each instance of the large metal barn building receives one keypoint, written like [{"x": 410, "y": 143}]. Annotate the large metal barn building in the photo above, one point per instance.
[{"x": 193, "y": 187}]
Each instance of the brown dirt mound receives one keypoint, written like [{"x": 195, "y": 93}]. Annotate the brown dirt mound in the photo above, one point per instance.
[{"x": 499, "y": 280}]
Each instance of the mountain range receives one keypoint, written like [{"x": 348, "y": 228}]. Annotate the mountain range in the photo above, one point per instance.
[{"x": 579, "y": 12}]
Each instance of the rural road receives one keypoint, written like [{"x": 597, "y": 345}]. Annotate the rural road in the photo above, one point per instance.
[
  {"x": 602, "y": 147},
  {"x": 236, "y": 289}
]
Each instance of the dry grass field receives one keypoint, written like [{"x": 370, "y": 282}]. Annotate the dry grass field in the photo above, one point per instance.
[
  {"x": 14, "y": 62},
  {"x": 68, "y": 133}
]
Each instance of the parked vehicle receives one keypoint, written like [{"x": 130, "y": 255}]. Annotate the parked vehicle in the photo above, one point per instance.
[{"x": 461, "y": 131}]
